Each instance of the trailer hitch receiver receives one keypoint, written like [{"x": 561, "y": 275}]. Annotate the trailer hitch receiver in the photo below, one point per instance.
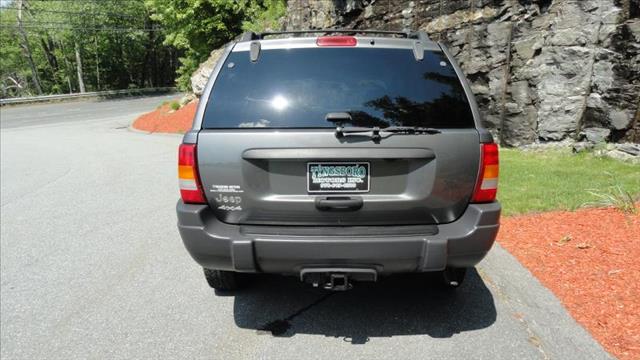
[
  {"x": 338, "y": 282},
  {"x": 336, "y": 279}
]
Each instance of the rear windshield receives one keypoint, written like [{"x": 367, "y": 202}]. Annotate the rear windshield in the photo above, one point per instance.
[{"x": 296, "y": 88}]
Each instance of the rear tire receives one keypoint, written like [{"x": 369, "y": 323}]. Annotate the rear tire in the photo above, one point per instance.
[
  {"x": 452, "y": 278},
  {"x": 222, "y": 280}
]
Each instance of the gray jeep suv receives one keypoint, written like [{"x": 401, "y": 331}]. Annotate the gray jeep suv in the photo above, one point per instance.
[{"x": 336, "y": 159}]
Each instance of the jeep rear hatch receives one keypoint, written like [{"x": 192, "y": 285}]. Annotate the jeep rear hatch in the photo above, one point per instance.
[{"x": 267, "y": 153}]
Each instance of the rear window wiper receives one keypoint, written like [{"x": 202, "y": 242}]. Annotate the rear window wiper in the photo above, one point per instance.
[
  {"x": 339, "y": 118},
  {"x": 376, "y": 132},
  {"x": 411, "y": 130}
]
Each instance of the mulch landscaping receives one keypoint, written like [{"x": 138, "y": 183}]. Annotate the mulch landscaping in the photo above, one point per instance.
[
  {"x": 165, "y": 120},
  {"x": 590, "y": 259}
]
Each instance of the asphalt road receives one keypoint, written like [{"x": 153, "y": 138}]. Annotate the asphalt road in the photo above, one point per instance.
[
  {"x": 78, "y": 111},
  {"x": 92, "y": 267}
]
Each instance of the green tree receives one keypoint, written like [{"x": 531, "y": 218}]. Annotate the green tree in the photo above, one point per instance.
[
  {"x": 264, "y": 15},
  {"x": 15, "y": 77},
  {"x": 199, "y": 26},
  {"x": 118, "y": 46}
]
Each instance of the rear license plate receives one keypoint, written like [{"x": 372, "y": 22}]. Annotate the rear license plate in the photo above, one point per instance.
[{"x": 332, "y": 177}]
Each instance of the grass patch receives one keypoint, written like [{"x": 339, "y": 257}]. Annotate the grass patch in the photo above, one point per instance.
[{"x": 554, "y": 180}]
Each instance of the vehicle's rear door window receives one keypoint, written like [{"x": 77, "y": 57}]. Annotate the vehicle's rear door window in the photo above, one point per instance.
[{"x": 296, "y": 88}]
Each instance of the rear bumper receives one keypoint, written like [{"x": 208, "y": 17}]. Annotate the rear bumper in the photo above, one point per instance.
[{"x": 217, "y": 245}]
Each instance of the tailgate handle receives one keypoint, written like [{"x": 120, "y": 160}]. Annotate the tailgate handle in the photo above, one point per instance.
[{"x": 338, "y": 203}]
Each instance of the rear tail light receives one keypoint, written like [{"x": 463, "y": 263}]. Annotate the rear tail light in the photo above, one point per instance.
[
  {"x": 487, "y": 183},
  {"x": 337, "y": 41},
  {"x": 190, "y": 187}
]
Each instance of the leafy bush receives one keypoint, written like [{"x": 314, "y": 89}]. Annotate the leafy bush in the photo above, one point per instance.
[
  {"x": 174, "y": 105},
  {"x": 264, "y": 15}
]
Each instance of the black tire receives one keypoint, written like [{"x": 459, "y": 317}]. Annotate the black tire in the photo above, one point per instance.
[
  {"x": 222, "y": 280},
  {"x": 452, "y": 278}
]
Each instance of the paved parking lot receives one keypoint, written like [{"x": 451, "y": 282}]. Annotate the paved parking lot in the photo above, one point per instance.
[{"x": 92, "y": 266}]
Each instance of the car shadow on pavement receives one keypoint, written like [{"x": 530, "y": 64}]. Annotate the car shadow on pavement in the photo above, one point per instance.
[{"x": 398, "y": 305}]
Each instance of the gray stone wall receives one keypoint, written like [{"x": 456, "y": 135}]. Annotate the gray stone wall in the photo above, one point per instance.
[{"x": 547, "y": 70}]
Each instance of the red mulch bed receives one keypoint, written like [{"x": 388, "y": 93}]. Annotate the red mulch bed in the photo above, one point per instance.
[
  {"x": 165, "y": 120},
  {"x": 590, "y": 259}
]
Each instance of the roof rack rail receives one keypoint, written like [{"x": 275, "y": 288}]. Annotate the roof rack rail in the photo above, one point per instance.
[{"x": 419, "y": 35}]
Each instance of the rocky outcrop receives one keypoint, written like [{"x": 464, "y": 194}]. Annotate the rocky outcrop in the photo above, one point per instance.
[
  {"x": 625, "y": 152},
  {"x": 201, "y": 76},
  {"x": 541, "y": 70}
]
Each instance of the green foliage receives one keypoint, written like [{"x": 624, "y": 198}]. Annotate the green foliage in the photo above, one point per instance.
[
  {"x": 264, "y": 15},
  {"x": 174, "y": 105},
  {"x": 613, "y": 195},
  {"x": 543, "y": 181},
  {"x": 120, "y": 46},
  {"x": 199, "y": 26},
  {"x": 188, "y": 65},
  {"x": 14, "y": 71},
  {"x": 196, "y": 27}
]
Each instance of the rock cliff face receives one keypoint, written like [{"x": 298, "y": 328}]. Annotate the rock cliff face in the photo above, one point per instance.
[{"x": 546, "y": 70}]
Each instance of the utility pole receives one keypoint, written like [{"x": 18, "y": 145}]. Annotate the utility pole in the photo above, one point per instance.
[{"x": 27, "y": 49}]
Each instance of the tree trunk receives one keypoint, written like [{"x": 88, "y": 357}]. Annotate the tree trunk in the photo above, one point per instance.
[
  {"x": 27, "y": 49},
  {"x": 147, "y": 73},
  {"x": 79, "y": 68},
  {"x": 48, "y": 47},
  {"x": 66, "y": 66},
  {"x": 95, "y": 38}
]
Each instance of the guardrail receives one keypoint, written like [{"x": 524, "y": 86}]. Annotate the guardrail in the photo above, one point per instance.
[{"x": 95, "y": 94}]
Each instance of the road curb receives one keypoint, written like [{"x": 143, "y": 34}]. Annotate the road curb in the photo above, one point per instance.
[
  {"x": 138, "y": 131},
  {"x": 552, "y": 330}
]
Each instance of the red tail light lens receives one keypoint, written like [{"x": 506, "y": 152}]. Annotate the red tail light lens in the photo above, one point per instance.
[
  {"x": 337, "y": 41},
  {"x": 190, "y": 187},
  {"x": 487, "y": 183}
]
